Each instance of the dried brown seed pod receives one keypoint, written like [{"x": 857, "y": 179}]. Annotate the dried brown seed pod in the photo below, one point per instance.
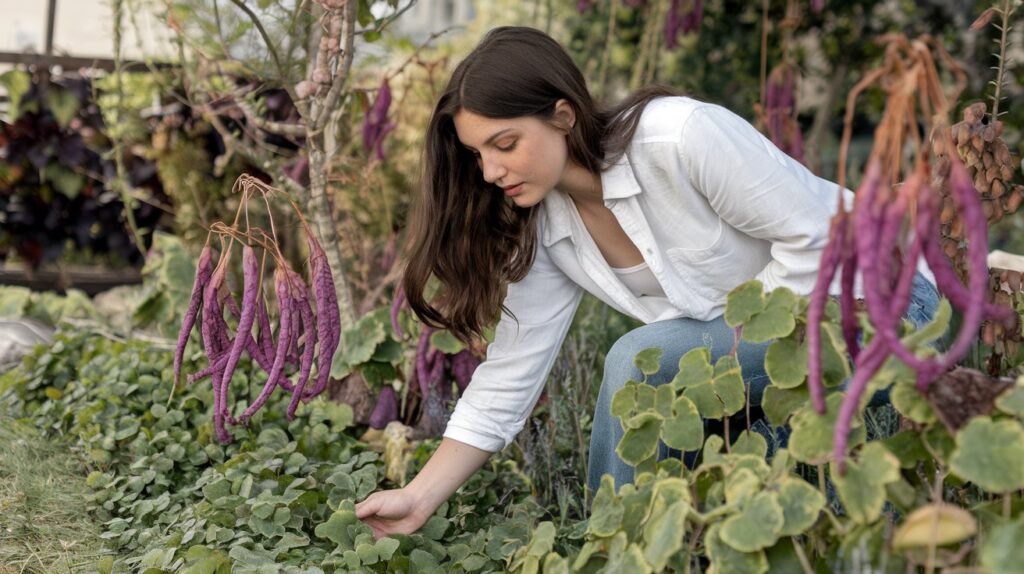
[
  {"x": 1014, "y": 200},
  {"x": 948, "y": 211},
  {"x": 951, "y": 248},
  {"x": 956, "y": 231},
  {"x": 997, "y": 188}
]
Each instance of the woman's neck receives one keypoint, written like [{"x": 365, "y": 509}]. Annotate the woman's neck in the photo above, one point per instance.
[{"x": 584, "y": 187}]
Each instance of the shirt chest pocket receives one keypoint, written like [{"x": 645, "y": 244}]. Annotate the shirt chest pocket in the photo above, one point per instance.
[{"x": 711, "y": 271}]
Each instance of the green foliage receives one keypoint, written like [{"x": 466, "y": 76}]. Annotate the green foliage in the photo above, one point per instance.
[
  {"x": 167, "y": 279},
  {"x": 991, "y": 454},
  {"x": 280, "y": 499},
  {"x": 48, "y": 307}
]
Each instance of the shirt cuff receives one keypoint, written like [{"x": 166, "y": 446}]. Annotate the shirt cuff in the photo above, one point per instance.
[{"x": 474, "y": 438}]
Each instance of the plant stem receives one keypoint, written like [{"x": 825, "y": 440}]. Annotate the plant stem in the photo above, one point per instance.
[
  {"x": 725, "y": 424},
  {"x": 804, "y": 563},
  {"x": 609, "y": 40},
  {"x": 1005, "y": 13},
  {"x": 764, "y": 51},
  {"x": 122, "y": 178}
]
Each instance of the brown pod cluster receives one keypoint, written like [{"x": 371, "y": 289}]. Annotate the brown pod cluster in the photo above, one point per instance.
[
  {"x": 1005, "y": 288},
  {"x": 303, "y": 338},
  {"x": 980, "y": 145}
]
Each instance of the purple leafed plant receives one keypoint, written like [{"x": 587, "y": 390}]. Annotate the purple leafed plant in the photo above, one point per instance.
[{"x": 376, "y": 125}]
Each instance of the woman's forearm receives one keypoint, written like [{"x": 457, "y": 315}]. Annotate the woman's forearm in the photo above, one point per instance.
[{"x": 449, "y": 468}]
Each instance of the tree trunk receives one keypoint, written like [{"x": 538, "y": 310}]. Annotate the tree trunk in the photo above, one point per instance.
[{"x": 319, "y": 205}]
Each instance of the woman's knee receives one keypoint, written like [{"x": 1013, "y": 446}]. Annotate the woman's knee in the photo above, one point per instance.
[{"x": 674, "y": 337}]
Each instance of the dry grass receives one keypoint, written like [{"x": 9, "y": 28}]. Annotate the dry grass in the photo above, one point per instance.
[{"x": 45, "y": 526}]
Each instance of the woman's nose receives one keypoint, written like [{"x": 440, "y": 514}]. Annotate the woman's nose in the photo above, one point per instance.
[{"x": 493, "y": 170}]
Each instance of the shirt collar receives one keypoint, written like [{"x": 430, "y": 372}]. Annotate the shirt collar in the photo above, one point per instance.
[{"x": 617, "y": 182}]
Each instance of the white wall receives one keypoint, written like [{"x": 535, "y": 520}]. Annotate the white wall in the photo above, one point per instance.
[{"x": 82, "y": 28}]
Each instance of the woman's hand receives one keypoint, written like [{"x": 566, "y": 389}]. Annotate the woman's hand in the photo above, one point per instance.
[
  {"x": 405, "y": 510},
  {"x": 393, "y": 512}
]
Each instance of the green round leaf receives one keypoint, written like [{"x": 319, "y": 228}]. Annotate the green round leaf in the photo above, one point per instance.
[
  {"x": 640, "y": 441},
  {"x": 785, "y": 362},
  {"x": 685, "y": 429},
  {"x": 750, "y": 443},
  {"x": 1012, "y": 402},
  {"x": 1002, "y": 550},
  {"x": 607, "y": 510},
  {"x": 743, "y": 302},
  {"x": 445, "y": 342},
  {"x": 811, "y": 440},
  {"x": 757, "y": 526},
  {"x": 649, "y": 360},
  {"x": 801, "y": 504},
  {"x": 694, "y": 368},
  {"x": 862, "y": 488},
  {"x": 909, "y": 402},
  {"x": 991, "y": 454},
  {"x": 772, "y": 323},
  {"x": 778, "y": 404},
  {"x": 724, "y": 558},
  {"x": 664, "y": 535}
]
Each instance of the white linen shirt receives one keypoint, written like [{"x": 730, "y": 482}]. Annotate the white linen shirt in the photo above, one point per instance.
[{"x": 709, "y": 202}]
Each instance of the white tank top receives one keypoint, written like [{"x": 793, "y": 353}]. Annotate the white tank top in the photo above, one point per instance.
[{"x": 640, "y": 280}]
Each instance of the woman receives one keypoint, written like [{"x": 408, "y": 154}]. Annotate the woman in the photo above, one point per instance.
[{"x": 532, "y": 195}]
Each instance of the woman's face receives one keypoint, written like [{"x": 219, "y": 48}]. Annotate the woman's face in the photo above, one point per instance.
[{"x": 527, "y": 157}]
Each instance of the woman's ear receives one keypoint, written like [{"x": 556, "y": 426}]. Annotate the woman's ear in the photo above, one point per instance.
[{"x": 564, "y": 117}]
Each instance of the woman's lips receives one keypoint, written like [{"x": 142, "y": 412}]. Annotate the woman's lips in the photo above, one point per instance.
[{"x": 513, "y": 190}]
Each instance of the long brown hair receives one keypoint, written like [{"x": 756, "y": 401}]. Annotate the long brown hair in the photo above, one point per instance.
[{"x": 464, "y": 231}]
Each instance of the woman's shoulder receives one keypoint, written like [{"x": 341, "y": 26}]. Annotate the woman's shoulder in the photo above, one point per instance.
[{"x": 663, "y": 119}]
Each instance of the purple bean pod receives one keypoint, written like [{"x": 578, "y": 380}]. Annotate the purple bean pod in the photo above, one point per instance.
[
  {"x": 328, "y": 325},
  {"x": 464, "y": 364},
  {"x": 266, "y": 340},
  {"x": 437, "y": 379},
  {"x": 847, "y": 296},
  {"x": 422, "y": 366},
  {"x": 250, "y": 293},
  {"x": 228, "y": 301},
  {"x": 204, "y": 269},
  {"x": 301, "y": 297},
  {"x": 285, "y": 335},
  {"x": 816, "y": 309},
  {"x": 386, "y": 409},
  {"x": 871, "y": 359},
  {"x": 215, "y": 342},
  {"x": 976, "y": 232},
  {"x": 220, "y": 360},
  {"x": 886, "y": 304}
]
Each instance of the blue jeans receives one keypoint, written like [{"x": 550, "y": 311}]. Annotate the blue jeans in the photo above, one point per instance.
[{"x": 677, "y": 336}]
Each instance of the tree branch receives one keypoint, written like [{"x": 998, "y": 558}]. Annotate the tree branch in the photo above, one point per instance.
[
  {"x": 263, "y": 32},
  {"x": 277, "y": 128},
  {"x": 341, "y": 74}
]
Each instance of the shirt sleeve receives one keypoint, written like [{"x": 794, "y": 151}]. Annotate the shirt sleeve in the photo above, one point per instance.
[
  {"x": 756, "y": 188},
  {"x": 505, "y": 387}
]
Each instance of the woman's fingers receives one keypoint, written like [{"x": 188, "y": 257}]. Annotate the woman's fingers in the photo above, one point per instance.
[{"x": 368, "y": 507}]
